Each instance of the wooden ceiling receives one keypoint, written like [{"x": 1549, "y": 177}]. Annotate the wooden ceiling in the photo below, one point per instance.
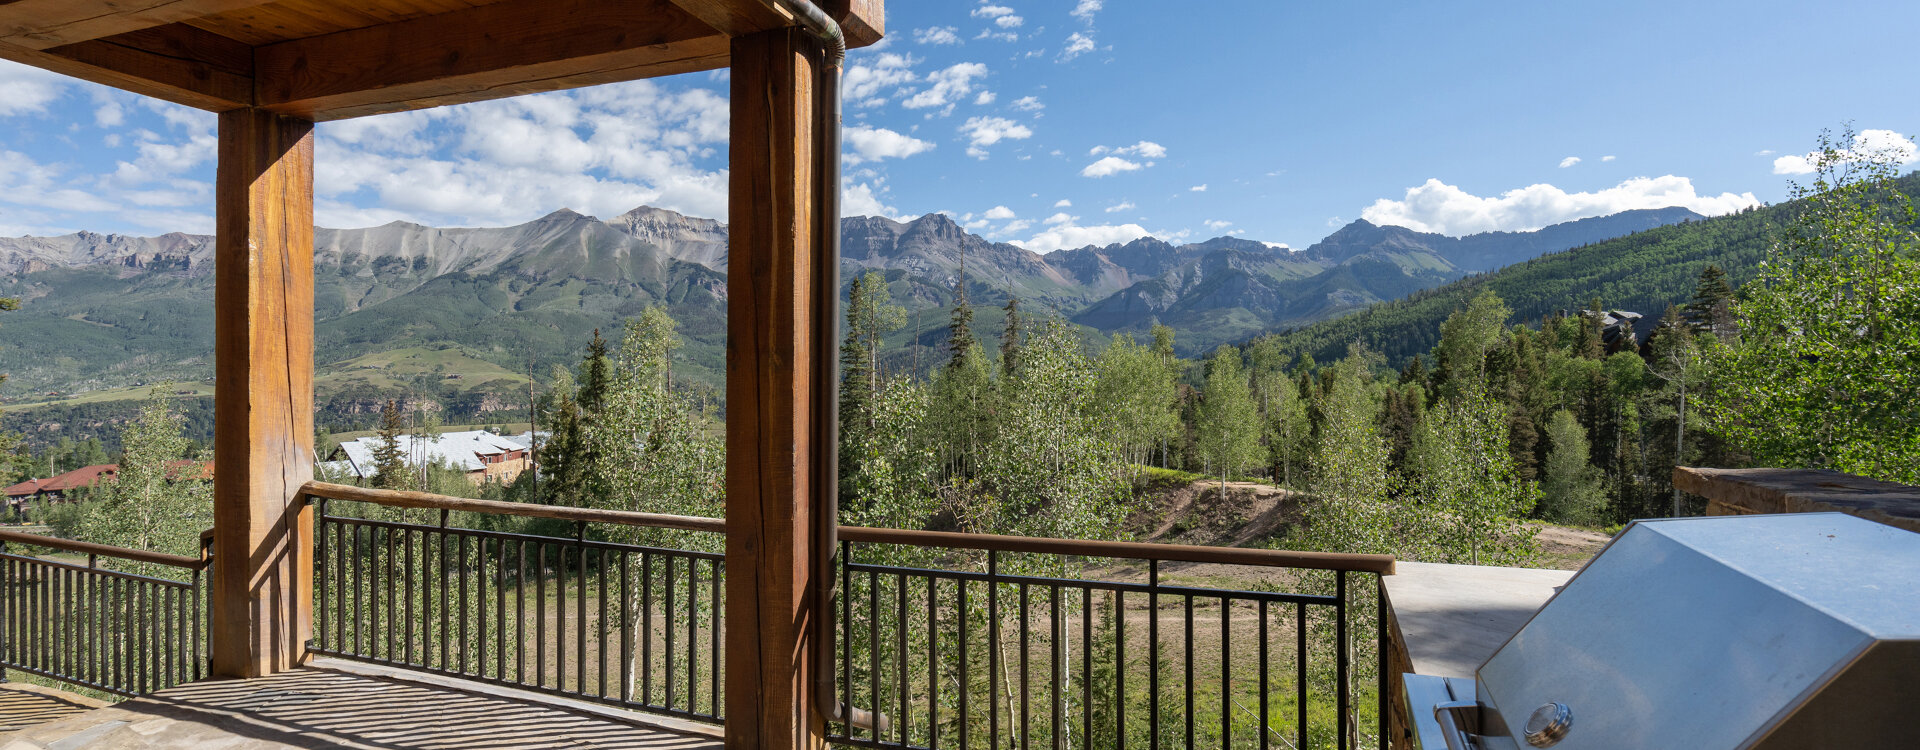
[{"x": 335, "y": 59}]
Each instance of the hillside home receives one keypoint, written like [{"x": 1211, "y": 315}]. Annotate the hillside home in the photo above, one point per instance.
[
  {"x": 56, "y": 488},
  {"x": 483, "y": 456}
]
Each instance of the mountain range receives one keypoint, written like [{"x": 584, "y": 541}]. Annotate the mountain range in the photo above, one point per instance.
[{"x": 400, "y": 303}]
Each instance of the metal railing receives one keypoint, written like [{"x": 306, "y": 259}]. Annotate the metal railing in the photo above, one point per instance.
[
  {"x": 979, "y": 656},
  {"x": 628, "y": 625},
  {"x": 123, "y": 632},
  {"x": 982, "y": 641}
]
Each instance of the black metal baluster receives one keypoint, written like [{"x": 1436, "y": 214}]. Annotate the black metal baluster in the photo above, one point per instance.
[
  {"x": 520, "y": 611},
  {"x": 933, "y": 663},
  {"x": 961, "y": 614},
  {"x": 479, "y": 643},
  {"x": 446, "y": 654},
  {"x": 714, "y": 607},
  {"x": 462, "y": 612},
  {"x": 1026, "y": 692},
  {"x": 873, "y": 645},
  {"x": 580, "y": 604},
  {"x": 540, "y": 614},
  {"x": 388, "y": 574},
  {"x": 406, "y": 619},
  {"x": 1300, "y": 666},
  {"x": 1086, "y": 667},
  {"x": 1059, "y": 682},
  {"x": 358, "y": 578},
  {"x": 1119, "y": 670},
  {"x": 846, "y": 626},
  {"x": 601, "y": 645},
  {"x": 340, "y": 590},
  {"x": 1263, "y": 674},
  {"x": 500, "y": 608},
  {"x": 668, "y": 613},
  {"x": 693, "y": 633},
  {"x": 626, "y": 627},
  {"x": 900, "y": 646},
  {"x": 646, "y": 629},
  {"x": 1153, "y": 654},
  {"x": 1189, "y": 666},
  {"x": 1380, "y": 652},
  {"x": 322, "y": 585},
  {"x": 1226, "y": 674},
  {"x": 993, "y": 649},
  {"x": 560, "y": 618},
  {"x": 1342, "y": 656}
]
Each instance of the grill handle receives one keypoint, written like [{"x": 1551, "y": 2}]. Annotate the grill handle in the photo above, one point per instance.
[{"x": 1450, "y": 719}]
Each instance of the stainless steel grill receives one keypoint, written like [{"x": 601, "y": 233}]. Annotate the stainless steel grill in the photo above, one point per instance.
[{"x": 1787, "y": 631}]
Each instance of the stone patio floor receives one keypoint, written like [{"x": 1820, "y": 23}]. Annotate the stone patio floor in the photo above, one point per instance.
[{"x": 332, "y": 707}]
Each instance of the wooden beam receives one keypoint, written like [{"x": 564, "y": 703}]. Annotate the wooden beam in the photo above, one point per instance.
[
  {"x": 262, "y": 593},
  {"x": 736, "y": 17},
  {"x": 863, "y": 22},
  {"x": 41, "y": 24},
  {"x": 769, "y": 391},
  {"x": 489, "y": 52},
  {"x": 178, "y": 63}
]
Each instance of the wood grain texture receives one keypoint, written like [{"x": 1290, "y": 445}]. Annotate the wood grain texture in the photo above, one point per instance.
[
  {"x": 769, "y": 389},
  {"x": 864, "y": 22},
  {"x": 295, "y": 19},
  {"x": 736, "y": 18},
  {"x": 176, "y": 63},
  {"x": 1735, "y": 492},
  {"x": 262, "y": 592},
  {"x": 402, "y": 499},
  {"x": 494, "y": 51},
  {"x": 40, "y": 24}
]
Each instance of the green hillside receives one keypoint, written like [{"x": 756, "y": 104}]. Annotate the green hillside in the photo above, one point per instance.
[{"x": 1642, "y": 272}]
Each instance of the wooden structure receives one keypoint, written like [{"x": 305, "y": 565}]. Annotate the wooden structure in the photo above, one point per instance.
[
  {"x": 1739, "y": 492},
  {"x": 272, "y": 68}
]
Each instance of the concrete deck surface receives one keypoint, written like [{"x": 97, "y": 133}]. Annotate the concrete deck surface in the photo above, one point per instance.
[
  {"x": 320, "y": 707},
  {"x": 1453, "y": 617}
]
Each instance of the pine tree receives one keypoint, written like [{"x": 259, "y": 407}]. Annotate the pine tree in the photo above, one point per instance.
[
  {"x": 1711, "y": 310},
  {"x": 389, "y": 465},
  {"x": 960, "y": 340},
  {"x": 593, "y": 377},
  {"x": 1010, "y": 337},
  {"x": 561, "y": 458}
]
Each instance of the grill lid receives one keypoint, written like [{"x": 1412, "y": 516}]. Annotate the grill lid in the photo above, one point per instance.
[{"x": 1770, "y": 632}]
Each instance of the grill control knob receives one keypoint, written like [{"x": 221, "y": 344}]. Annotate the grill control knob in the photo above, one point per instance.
[{"x": 1548, "y": 724}]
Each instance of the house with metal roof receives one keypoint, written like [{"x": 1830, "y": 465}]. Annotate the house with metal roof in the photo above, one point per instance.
[{"x": 482, "y": 455}]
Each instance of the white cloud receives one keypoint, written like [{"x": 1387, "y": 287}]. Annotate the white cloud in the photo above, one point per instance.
[
  {"x": 1009, "y": 22},
  {"x": 1060, "y": 218},
  {"x": 1569, "y": 161},
  {"x": 870, "y": 85},
  {"x": 1200, "y": 188},
  {"x": 1085, "y": 9},
  {"x": 1005, "y": 36},
  {"x": 1065, "y": 236},
  {"x": 985, "y": 98},
  {"x": 998, "y": 212},
  {"x": 937, "y": 35},
  {"x": 1868, "y": 145},
  {"x": 1608, "y": 157},
  {"x": 1063, "y": 203},
  {"x": 1028, "y": 104},
  {"x": 1015, "y": 226},
  {"x": 1121, "y": 206},
  {"x": 1077, "y": 44},
  {"x": 1111, "y": 165},
  {"x": 860, "y": 199},
  {"x": 24, "y": 88},
  {"x": 982, "y": 132},
  {"x": 948, "y": 85},
  {"x": 1147, "y": 149},
  {"x": 1763, "y": 152},
  {"x": 1438, "y": 207},
  {"x": 1278, "y": 246},
  {"x": 991, "y": 11},
  {"x": 1217, "y": 225},
  {"x": 874, "y": 144}
]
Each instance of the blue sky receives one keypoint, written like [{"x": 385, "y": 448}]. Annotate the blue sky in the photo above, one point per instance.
[{"x": 1062, "y": 123}]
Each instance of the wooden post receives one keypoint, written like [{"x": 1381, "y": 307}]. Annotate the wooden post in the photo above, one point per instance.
[
  {"x": 261, "y": 598},
  {"x": 769, "y": 390}
]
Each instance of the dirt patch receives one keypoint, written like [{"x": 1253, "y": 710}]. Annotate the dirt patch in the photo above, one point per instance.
[
  {"x": 1566, "y": 548},
  {"x": 1199, "y": 513}
]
